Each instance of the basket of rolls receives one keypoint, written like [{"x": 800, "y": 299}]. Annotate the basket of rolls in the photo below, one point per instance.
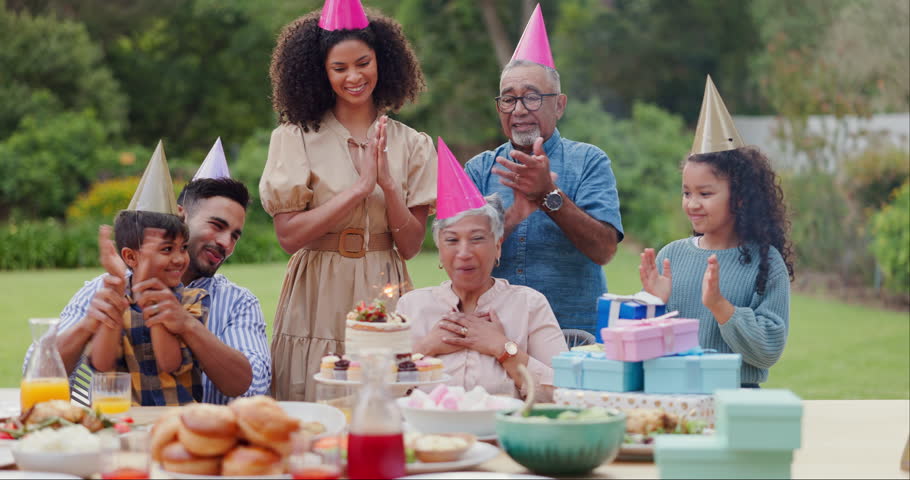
[{"x": 248, "y": 437}]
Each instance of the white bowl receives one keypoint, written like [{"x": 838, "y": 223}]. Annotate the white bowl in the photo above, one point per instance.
[
  {"x": 332, "y": 418},
  {"x": 481, "y": 423},
  {"x": 83, "y": 464}
]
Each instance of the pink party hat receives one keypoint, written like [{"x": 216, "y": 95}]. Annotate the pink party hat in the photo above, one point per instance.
[
  {"x": 455, "y": 192},
  {"x": 343, "y": 15},
  {"x": 214, "y": 165},
  {"x": 534, "y": 45}
]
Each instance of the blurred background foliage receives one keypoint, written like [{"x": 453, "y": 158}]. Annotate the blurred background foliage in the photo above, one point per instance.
[{"x": 88, "y": 87}]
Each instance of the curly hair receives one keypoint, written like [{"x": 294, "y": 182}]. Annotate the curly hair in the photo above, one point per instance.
[
  {"x": 301, "y": 92},
  {"x": 756, "y": 203}
]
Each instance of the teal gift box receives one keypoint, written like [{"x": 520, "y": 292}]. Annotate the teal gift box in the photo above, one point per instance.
[
  {"x": 759, "y": 419},
  {"x": 567, "y": 369},
  {"x": 603, "y": 374},
  {"x": 707, "y": 456},
  {"x": 704, "y": 373}
]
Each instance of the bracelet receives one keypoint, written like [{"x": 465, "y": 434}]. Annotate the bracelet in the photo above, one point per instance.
[{"x": 396, "y": 230}]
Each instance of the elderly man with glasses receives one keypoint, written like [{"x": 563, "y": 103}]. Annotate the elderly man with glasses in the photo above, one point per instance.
[{"x": 563, "y": 220}]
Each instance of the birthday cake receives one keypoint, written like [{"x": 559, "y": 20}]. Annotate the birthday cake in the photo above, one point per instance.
[{"x": 371, "y": 326}]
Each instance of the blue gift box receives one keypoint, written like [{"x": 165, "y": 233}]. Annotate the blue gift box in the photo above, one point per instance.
[
  {"x": 759, "y": 419},
  {"x": 627, "y": 310},
  {"x": 603, "y": 374},
  {"x": 708, "y": 456},
  {"x": 692, "y": 373},
  {"x": 567, "y": 369}
]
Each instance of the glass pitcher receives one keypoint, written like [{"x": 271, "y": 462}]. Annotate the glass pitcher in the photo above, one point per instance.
[
  {"x": 375, "y": 441},
  {"x": 45, "y": 377}
]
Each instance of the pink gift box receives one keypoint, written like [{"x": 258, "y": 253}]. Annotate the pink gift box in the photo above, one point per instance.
[{"x": 650, "y": 339}]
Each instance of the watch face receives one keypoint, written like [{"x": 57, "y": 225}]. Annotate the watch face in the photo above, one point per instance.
[
  {"x": 511, "y": 348},
  {"x": 553, "y": 201}
]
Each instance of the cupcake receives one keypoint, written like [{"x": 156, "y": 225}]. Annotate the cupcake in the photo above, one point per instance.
[
  {"x": 435, "y": 368},
  {"x": 407, "y": 372},
  {"x": 416, "y": 356},
  {"x": 424, "y": 370},
  {"x": 327, "y": 367},
  {"x": 355, "y": 373},
  {"x": 341, "y": 369}
]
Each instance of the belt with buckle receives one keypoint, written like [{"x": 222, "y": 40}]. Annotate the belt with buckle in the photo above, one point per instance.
[{"x": 349, "y": 243}]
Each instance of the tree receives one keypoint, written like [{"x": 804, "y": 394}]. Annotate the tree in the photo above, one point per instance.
[{"x": 49, "y": 65}]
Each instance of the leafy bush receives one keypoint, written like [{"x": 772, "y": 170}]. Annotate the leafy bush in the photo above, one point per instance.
[
  {"x": 891, "y": 228},
  {"x": 646, "y": 151},
  {"x": 48, "y": 244},
  {"x": 873, "y": 175},
  {"x": 46, "y": 162},
  {"x": 51, "y": 65}
]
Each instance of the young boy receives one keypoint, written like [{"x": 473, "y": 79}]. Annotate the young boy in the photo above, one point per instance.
[{"x": 153, "y": 246}]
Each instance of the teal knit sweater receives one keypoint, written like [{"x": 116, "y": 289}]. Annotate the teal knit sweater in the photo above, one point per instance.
[{"x": 758, "y": 328}]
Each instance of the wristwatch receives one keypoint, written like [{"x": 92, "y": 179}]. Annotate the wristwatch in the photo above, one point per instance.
[
  {"x": 552, "y": 201},
  {"x": 509, "y": 351}
]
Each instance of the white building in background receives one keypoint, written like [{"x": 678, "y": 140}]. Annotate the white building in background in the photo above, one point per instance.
[{"x": 846, "y": 136}]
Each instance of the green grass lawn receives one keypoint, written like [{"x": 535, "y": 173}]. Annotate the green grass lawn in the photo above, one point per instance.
[{"x": 835, "y": 350}]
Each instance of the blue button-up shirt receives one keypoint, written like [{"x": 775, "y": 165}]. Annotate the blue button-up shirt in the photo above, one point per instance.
[{"x": 537, "y": 253}]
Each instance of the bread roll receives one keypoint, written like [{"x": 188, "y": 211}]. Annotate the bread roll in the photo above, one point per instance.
[
  {"x": 250, "y": 460},
  {"x": 207, "y": 430},
  {"x": 164, "y": 432},
  {"x": 264, "y": 423},
  {"x": 175, "y": 458}
]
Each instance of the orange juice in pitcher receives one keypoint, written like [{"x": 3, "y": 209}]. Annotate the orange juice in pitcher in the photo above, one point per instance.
[
  {"x": 45, "y": 378},
  {"x": 39, "y": 390}
]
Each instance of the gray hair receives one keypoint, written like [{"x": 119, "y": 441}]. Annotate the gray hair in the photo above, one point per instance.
[
  {"x": 554, "y": 75},
  {"x": 493, "y": 210}
]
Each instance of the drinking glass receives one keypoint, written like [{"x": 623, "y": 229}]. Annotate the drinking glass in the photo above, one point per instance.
[
  {"x": 339, "y": 396},
  {"x": 111, "y": 392},
  {"x": 318, "y": 457},
  {"x": 127, "y": 457}
]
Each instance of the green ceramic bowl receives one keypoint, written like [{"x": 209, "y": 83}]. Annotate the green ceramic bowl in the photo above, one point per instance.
[{"x": 563, "y": 447}]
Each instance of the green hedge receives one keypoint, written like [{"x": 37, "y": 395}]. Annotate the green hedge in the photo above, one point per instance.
[{"x": 891, "y": 227}]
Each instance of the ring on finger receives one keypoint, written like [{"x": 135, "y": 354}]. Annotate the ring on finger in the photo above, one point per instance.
[
  {"x": 517, "y": 176},
  {"x": 464, "y": 330}
]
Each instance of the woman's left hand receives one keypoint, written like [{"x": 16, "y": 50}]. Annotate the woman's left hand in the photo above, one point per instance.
[
  {"x": 481, "y": 332},
  {"x": 383, "y": 174}
]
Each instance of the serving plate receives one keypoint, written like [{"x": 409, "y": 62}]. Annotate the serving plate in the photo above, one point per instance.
[{"x": 478, "y": 453}]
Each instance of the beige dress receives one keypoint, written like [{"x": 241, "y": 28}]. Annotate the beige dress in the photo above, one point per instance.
[{"x": 305, "y": 170}]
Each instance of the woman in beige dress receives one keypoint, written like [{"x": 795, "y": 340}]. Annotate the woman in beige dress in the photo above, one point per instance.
[{"x": 348, "y": 188}]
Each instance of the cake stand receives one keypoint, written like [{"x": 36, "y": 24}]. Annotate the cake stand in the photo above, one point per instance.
[{"x": 397, "y": 389}]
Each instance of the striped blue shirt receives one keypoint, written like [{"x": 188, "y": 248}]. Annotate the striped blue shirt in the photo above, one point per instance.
[{"x": 235, "y": 317}]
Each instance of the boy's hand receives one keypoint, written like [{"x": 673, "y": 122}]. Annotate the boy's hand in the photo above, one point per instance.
[
  {"x": 651, "y": 280},
  {"x": 109, "y": 257},
  {"x": 108, "y": 304},
  {"x": 160, "y": 307}
]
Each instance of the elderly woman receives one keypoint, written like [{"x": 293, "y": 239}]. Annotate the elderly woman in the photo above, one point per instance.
[{"x": 482, "y": 327}]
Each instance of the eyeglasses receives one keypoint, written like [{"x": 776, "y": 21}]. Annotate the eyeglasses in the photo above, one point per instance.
[{"x": 531, "y": 101}]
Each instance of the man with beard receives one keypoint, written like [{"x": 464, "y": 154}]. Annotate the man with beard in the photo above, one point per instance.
[
  {"x": 232, "y": 346},
  {"x": 563, "y": 221}
]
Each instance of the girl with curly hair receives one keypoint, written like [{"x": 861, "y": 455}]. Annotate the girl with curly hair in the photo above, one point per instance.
[
  {"x": 734, "y": 273},
  {"x": 348, "y": 188}
]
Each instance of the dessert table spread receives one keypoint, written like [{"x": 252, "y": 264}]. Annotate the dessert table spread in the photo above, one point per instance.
[{"x": 840, "y": 439}]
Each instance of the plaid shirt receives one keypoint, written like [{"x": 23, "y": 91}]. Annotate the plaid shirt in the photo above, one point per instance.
[{"x": 151, "y": 387}]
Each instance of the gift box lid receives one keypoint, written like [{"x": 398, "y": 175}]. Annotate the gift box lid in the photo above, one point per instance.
[
  {"x": 708, "y": 360},
  {"x": 568, "y": 359},
  {"x": 648, "y": 329},
  {"x": 756, "y": 402},
  {"x": 713, "y": 449}
]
